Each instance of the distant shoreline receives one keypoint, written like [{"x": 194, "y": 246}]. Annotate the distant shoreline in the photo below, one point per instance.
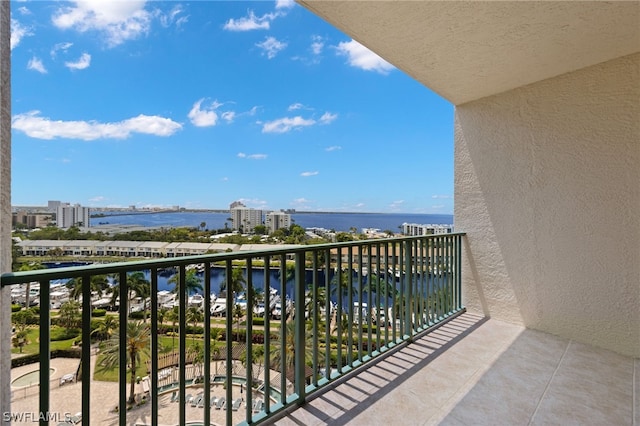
[{"x": 117, "y": 212}]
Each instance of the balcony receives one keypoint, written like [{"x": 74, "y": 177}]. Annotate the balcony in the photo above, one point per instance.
[{"x": 326, "y": 315}]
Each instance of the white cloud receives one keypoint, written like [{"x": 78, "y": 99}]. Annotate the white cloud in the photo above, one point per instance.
[
  {"x": 271, "y": 47},
  {"x": 333, "y": 148},
  {"x": 24, "y": 11},
  {"x": 328, "y": 117},
  {"x": 36, "y": 126},
  {"x": 360, "y": 57},
  {"x": 97, "y": 199},
  {"x": 117, "y": 21},
  {"x": 60, "y": 47},
  {"x": 251, "y": 22},
  {"x": 286, "y": 124},
  {"x": 36, "y": 65},
  {"x": 252, "y": 156},
  {"x": 295, "y": 106},
  {"x": 253, "y": 202},
  {"x": 285, "y": 4},
  {"x": 301, "y": 203},
  {"x": 307, "y": 174},
  {"x": 444, "y": 197},
  {"x": 166, "y": 19},
  {"x": 438, "y": 207},
  {"x": 317, "y": 45},
  {"x": 204, "y": 117},
  {"x": 83, "y": 62},
  {"x": 396, "y": 204},
  {"x": 18, "y": 32},
  {"x": 228, "y": 116}
]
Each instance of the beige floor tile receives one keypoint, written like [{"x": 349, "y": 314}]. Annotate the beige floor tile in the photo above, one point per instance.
[{"x": 636, "y": 393}]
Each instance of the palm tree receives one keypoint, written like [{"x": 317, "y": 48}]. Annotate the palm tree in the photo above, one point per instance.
[
  {"x": 341, "y": 280},
  {"x": 315, "y": 301},
  {"x": 137, "y": 285},
  {"x": 136, "y": 342},
  {"x": 195, "y": 352},
  {"x": 257, "y": 358},
  {"x": 238, "y": 313},
  {"x": 256, "y": 295},
  {"x": 106, "y": 328},
  {"x": 194, "y": 316},
  {"x": 193, "y": 283},
  {"x": 203, "y": 225},
  {"x": 98, "y": 284},
  {"x": 30, "y": 267},
  {"x": 288, "y": 363},
  {"x": 238, "y": 282},
  {"x": 173, "y": 317},
  {"x": 70, "y": 314}
]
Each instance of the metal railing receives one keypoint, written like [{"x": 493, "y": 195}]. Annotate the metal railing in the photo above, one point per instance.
[{"x": 309, "y": 315}]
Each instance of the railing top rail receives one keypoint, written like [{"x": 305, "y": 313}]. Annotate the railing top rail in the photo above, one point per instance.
[{"x": 12, "y": 278}]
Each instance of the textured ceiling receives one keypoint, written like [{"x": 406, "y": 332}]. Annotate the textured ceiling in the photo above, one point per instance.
[{"x": 466, "y": 50}]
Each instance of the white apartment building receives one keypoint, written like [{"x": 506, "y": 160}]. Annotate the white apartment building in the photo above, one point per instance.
[
  {"x": 68, "y": 216},
  {"x": 245, "y": 219},
  {"x": 417, "y": 229},
  {"x": 277, "y": 220}
]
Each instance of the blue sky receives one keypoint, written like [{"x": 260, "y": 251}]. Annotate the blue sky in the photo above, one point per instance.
[{"x": 201, "y": 103}]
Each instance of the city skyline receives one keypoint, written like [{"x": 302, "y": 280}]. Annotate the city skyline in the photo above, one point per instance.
[{"x": 157, "y": 104}]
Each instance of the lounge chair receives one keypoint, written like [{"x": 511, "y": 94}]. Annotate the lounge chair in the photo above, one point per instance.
[
  {"x": 236, "y": 404},
  {"x": 201, "y": 402},
  {"x": 175, "y": 396},
  {"x": 258, "y": 405},
  {"x": 188, "y": 398},
  {"x": 221, "y": 403},
  {"x": 213, "y": 401},
  {"x": 196, "y": 400}
]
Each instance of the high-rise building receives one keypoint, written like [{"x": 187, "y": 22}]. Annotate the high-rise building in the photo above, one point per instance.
[
  {"x": 277, "y": 220},
  {"x": 245, "y": 219},
  {"x": 417, "y": 229},
  {"x": 68, "y": 216}
]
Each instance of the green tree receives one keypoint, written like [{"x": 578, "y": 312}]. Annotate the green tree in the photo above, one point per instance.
[
  {"x": 70, "y": 314},
  {"x": 196, "y": 353},
  {"x": 137, "y": 285},
  {"x": 137, "y": 344},
  {"x": 260, "y": 230},
  {"x": 98, "y": 284},
  {"x": 173, "y": 317},
  {"x": 19, "y": 340},
  {"x": 203, "y": 225},
  {"x": 33, "y": 266},
  {"x": 106, "y": 328},
  {"x": 194, "y": 316},
  {"x": 55, "y": 252},
  {"x": 193, "y": 283},
  {"x": 238, "y": 313},
  {"x": 238, "y": 283},
  {"x": 315, "y": 301},
  {"x": 287, "y": 363}
]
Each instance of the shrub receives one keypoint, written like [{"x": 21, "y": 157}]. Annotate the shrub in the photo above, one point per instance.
[
  {"x": 136, "y": 315},
  {"x": 258, "y": 321},
  {"x": 59, "y": 333},
  {"x": 16, "y": 308},
  {"x": 98, "y": 312}
]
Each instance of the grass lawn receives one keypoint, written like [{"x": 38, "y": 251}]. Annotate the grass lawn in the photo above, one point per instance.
[
  {"x": 166, "y": 343},
  {"x": 33, "y": 341}
]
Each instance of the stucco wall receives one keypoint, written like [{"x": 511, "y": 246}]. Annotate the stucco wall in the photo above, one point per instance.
[{"x": 547, "y": 186}]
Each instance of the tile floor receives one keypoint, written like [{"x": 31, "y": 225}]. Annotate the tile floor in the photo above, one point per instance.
[{"x": 474, "y": 371}]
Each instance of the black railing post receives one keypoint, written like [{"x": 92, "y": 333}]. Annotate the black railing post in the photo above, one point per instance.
[
  {"x": 299, "y": 338},
  {"x": 86, "y": 350},
  {"x": 45, "y": 350}
]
